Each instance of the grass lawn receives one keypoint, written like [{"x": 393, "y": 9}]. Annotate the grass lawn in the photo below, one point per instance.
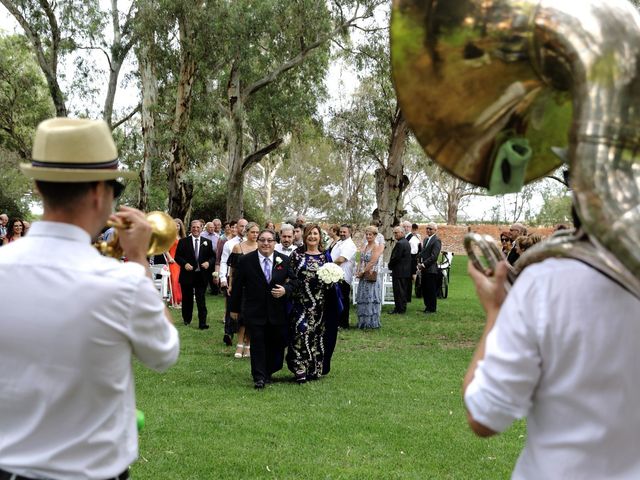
[{"x": 391, "y": 408}]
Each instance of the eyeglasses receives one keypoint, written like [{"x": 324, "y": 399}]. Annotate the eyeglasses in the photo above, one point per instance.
[
  {"x": 266, "y": 240},
  {"x": 429, "y": 228},
  {"x": 118, "y": 188}
]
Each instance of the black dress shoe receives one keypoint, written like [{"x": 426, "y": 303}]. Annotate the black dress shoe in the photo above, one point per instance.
[
  {"x": 258, "y": 384},
  {"x": 203, "y": 327},
  {"x": 392, "y": 312},
  {"x": 187, "y": 323},
  {"x": 227, "y": 340}
]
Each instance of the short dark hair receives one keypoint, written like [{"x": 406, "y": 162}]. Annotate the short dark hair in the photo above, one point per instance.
[
  {"x": 347, "y": 226},
  {"x": 63, "y": 194},
  {"x": 269, "y": 231}
]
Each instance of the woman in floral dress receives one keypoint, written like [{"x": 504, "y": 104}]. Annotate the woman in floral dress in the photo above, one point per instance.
[
  {"x": 306, "y": 354},
  {"x": 369, "y": 294}
]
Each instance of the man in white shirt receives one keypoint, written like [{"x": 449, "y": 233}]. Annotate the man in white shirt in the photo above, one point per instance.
[
  {"x": 343, "y": 254},
  {"x": 76, "y": 319},
  {"x": 230, "y": 326},
  {"x": 286, "y": 246},
  {"x": 562, "y": 350}
]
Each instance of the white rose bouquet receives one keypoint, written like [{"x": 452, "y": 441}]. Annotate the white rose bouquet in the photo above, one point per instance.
[{"x": 330, "y": 273}]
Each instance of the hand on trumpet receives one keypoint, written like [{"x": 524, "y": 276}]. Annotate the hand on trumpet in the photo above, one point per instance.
[
  {"x": 134, "y": 233},
  {"x": 490, "y": 289}
]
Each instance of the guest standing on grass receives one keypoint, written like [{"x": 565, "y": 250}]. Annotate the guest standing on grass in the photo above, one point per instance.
[
  {"x": 248, "y": 245},
  {"x": 196, "y": 259},
  {"x": 259, "y": 294},
  {"x": 369, "y": 294},
  {"x": 429, "y": 268},
  {"x": 174, "y": 268},
  {"x": 400, "y": 266},
  {"x": 313, "y": 320},
  {"x": 76, "y": 319}
]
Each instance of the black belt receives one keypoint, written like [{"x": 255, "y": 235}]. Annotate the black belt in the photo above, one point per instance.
[{"x": 4, "y": 475}]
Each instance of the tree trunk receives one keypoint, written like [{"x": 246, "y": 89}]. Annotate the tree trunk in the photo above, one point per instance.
[
  {"x": 235, "y": 195},
  {"x": 391, "y": 182},
  {"x": 453, "y": 204},
  {"x": 180, "y": 191},
  {"x": 149, "y": 82}
]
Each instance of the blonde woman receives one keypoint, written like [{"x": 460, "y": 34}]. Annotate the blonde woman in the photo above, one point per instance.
[
  {"x": 250, "y": 244},
  {"x": 369, "y": 294}
]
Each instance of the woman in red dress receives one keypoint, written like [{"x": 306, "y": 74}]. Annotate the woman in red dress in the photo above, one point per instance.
[{"x": 174, "y": 268}]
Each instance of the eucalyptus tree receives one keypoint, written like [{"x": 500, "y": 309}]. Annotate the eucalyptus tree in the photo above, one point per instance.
[
  {"x": 279, "y": 56},
  {"x": 378, "y": 128},
  {"x": 56, "y": 30}
]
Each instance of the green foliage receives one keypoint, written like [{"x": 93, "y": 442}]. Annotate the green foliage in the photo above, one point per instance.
[
  {"x": 15, "y": 192},
  {"x": 210, "y": 196},
  {"x": 24, "y": 99},
  {"x": 24, "y": 102},
  {"x": 391, "y": 408},
  {"x": 556, "y": 208}
]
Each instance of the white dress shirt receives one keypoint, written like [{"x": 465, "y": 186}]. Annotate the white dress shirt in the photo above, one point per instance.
[
  {"x": 564, "y": 352},
  {"x": 224, "y": 258},
  {"x": 73, "y": 323},
  {"x": 285, "y": 250},
  {"x": 347, "y": 249}
]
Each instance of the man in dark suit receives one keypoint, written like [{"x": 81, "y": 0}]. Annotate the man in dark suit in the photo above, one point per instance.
[
  {"x": 400, "y": 266},
  {"x": 197, "y": 259},
  {"x": 429, "y": 267},
  {"x": 259, "y": 290}
]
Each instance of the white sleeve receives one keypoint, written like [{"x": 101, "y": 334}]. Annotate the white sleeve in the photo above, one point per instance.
[
  {"x": 153, "y": 339},
  {"x": 224, "y": 258},
  {"x": 348, "y": 250},
  {"x": 504, "y": 382}
]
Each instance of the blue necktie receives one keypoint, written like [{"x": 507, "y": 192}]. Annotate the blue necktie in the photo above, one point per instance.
[{"x": 267, "y": 270}]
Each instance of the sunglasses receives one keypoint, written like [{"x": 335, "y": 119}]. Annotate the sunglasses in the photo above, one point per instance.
[{"x": 118, "y": 188}]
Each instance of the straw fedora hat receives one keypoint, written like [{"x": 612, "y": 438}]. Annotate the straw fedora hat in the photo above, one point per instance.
[{"x": 74, "y": 150}]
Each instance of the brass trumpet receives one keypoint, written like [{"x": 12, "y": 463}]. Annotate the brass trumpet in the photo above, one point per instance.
[{"x": 163, "y": 234}]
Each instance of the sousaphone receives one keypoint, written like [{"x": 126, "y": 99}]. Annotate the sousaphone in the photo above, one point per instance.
[{"x": 489, "y": 87}]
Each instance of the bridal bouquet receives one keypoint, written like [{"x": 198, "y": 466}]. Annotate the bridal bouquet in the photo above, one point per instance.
[{"x": 330, "y": 273}]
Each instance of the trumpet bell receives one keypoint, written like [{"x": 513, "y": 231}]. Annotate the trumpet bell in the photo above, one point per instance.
[
  {"x": 163, "y": 232},
  {"x": 469, "y": 82}
]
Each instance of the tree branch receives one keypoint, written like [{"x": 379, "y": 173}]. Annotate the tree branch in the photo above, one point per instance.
[
  {"x": 128, "y": 117},
  {"x": 258, "y": 155},
  {"x": 299, "y": 58}
]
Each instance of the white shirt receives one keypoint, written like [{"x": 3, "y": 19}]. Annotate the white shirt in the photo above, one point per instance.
[
  {"x": 212, "y": 237},
  {"x": 347, "y": 249},
  {"x": 414, "y": 243},
  {"x": 71, "y": 322},
  {"x": 224, "y": 258},
  {"x": 564, "y": 352},
  {"x": 285, "y": 250}
]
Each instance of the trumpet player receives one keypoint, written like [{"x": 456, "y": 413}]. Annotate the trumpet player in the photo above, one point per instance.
[{"x": 76, "y": 318}]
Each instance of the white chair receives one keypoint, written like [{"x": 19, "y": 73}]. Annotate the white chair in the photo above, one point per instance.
[{"x": 161, "y": 274}]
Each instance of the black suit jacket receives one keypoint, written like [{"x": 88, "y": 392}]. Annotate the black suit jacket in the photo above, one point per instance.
[
  {"x": 251, "y": 293},
  {"x": 400, "y": 260},
  {"x": 429, "y": 254},
  {"x": 185, "y": 254}
]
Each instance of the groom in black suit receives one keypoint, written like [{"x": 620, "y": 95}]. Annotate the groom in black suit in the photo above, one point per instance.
[
  {"x": 196, "y": 258},
  {"x": 259, "y": 290}
]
